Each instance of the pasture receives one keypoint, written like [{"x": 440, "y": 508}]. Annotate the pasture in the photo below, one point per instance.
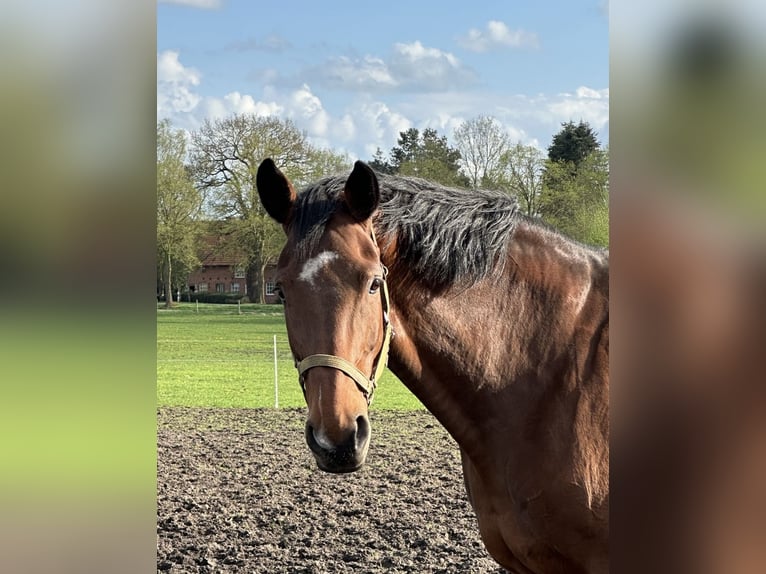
[{"x": 223, "y": 356}]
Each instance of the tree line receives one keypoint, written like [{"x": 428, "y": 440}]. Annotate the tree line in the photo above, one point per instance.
[{"x": 206, "y": 185}]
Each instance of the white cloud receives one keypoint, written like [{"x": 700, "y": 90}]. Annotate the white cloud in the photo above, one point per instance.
[
  {"x": 529, "y": 119},
  {"x": 585, "y": 104},
  {"x": 307, "y": 110},
  {"x": 170, "y": 69},
  {"x": 497, "y": 35},
  {"x": 236, "y": 103},
  {"x": 345, "y": 128},
  {"x": 364, "y": 74},
  {"x": 586, "y": 92},
  {"x": 204, "y": 4},
  {"x": 428, "y": 69},
  {"x": 417, "y": 52},
  {"x": 378, "y": 125},
  {"x": 410, "y": 67},
  {"x": 174, "y": 83},
  {"x": 366, "y": 121},
  {"x": 444, "y": 122},
  {"x": 178, "y": 100}
]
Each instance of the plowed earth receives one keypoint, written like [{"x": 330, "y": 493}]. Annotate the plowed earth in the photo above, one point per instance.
[{"x": 238, "y": 491}]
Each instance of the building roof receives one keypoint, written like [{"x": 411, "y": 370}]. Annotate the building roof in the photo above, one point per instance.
[{"x": 214, "y": 251}]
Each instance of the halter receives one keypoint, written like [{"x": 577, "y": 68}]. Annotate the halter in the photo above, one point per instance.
[{"x": 366, "y": 384}]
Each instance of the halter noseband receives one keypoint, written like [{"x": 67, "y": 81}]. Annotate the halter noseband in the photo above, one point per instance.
[{"x": 366, "y": 384}]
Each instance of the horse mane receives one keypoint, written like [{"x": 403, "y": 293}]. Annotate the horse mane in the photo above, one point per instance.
[{"x": 441, "y": 235}]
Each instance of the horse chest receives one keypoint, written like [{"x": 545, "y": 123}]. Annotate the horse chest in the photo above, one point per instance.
[{"x": 519, "y": 525}]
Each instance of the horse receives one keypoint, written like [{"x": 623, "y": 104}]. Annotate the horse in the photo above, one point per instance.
[{"x": 498, "y": 324}]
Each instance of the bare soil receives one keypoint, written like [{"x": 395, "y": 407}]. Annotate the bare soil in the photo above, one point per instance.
[{"x": 238, "y": 491}]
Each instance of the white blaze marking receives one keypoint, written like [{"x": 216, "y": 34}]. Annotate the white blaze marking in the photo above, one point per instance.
[{"x": 315, "y": 264}]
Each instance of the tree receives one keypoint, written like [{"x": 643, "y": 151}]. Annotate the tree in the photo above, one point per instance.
[
  {"x": 426, "y": 155},
  {"x": 482, "y": 142},
  {"x": 575, "y": 196},
  {"x": 380, "y": 164},
  {"x": 408, "y": 148},
  {"x": 573, "y": 143},
  {"x": 322, "y": 162},
  {"x": 593, "y": 215},
  {"x": 521, "y": 170},
  {"x": 179, "y": 203},
  {"x": 576, "y": 200},
  {"x": 226, "y": 156}
]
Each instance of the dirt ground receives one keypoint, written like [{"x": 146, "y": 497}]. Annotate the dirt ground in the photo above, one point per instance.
[{"x": 238, "y": 491}]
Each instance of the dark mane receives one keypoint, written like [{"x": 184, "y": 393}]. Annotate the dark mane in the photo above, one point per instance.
[{"x": 443, "y": 235}]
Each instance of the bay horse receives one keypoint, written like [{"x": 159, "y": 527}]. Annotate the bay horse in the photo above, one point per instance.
[{"x": 497, "y": 324}]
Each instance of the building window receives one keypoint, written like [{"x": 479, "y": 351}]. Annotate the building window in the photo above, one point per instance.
[
  {"x": 235, "y": 287},
  {"x": 239, "y": 272},
  {"x": 202, "y": 287},
  {"x": 270, "y": 286},
  {"x": 220, "y": 287}
]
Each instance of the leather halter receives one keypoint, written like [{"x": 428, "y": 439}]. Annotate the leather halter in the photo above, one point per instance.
[{"x": 366, "y": 384}]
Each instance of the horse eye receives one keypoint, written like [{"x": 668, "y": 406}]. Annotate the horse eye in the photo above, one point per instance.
[
  {"x": 375, "y": 285},
  {"x": 279, "y": 293}
]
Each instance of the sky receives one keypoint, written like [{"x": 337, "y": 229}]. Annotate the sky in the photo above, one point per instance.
[{"x": 353, "y": 75}]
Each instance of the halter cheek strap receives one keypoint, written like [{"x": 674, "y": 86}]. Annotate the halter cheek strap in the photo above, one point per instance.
[{"x": 366, "y": 384}]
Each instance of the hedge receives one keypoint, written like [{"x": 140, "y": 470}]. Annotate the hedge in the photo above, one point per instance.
[{"x": 214, "y": 297}]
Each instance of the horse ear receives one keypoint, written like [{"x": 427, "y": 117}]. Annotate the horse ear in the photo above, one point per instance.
[
  {"x": 361, "y": 193},
  {"x": 275, "y": 190}
]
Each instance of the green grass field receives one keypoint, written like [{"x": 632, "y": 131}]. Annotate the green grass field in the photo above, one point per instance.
[{"x": 219, "y": 356}]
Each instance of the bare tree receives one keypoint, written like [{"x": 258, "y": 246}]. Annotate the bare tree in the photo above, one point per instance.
[
  {"x": 225, "y": 160},
  {"x": 522, "y": 173},
  {"x": 482, "y": 143}
]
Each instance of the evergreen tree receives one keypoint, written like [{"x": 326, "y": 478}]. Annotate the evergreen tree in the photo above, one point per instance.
[
  {"x": 576, "y": 201},
  {"x": 380, "y": 164},
  {"x": 573, "y": 143},
  {"x": 425, "y": 155}
]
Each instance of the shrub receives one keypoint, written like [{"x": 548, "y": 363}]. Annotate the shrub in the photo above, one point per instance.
[{"x": 215, "y": 297}]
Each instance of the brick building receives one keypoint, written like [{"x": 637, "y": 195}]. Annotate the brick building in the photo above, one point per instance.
[{"x": 220, "y": 272}]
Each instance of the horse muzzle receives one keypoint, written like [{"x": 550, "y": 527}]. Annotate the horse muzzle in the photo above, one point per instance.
[{"x": 345, "y": 456}]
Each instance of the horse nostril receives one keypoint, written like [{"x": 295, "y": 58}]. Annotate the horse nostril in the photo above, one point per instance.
[
  {"x": 354, "y": 442},
  {"x": 317, "y": 439},
  {"x": 362, "y": 431},
  {"x": 348, "y": 454},
  {"x": 312, "y": 438}
]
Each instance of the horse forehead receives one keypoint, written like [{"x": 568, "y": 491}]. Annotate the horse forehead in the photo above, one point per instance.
[
  {"x": 312, "y": 266},
  {"x": 350, "y": 238},
  {"x": 341, "y": 240}
]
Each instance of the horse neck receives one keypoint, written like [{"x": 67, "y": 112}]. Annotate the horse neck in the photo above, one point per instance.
[{"x": 461, "y": 351}]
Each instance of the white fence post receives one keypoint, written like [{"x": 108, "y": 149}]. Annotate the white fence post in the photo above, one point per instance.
[{"x": 276, "y": 376}]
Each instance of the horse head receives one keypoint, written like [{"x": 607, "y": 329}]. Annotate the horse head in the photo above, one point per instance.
[{"x": 336, "y": 310}]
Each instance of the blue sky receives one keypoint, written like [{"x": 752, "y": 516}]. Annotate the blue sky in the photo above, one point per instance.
[{"x": 352, "y": 75}]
